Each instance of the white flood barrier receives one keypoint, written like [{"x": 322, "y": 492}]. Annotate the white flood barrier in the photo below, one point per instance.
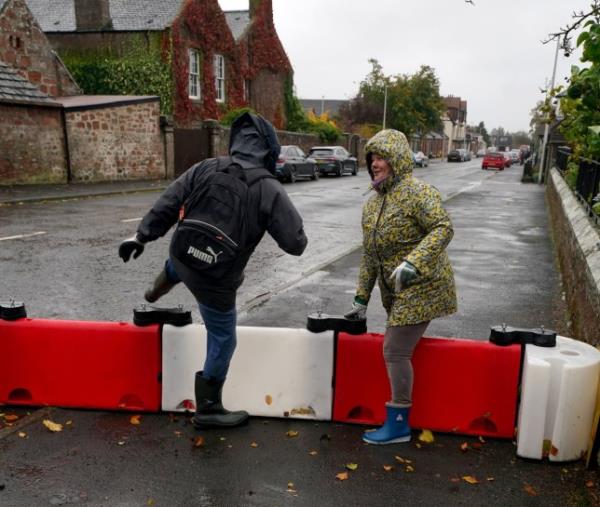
[
  {"x": 275, "y": 372},
  {"x": 558, "y": 398}
]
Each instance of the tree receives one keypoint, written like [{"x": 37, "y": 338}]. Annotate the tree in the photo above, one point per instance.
[{"x": 413, "y": 101}]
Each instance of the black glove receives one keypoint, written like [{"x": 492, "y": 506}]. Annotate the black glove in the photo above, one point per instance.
[{"x": 130, "y": 246}]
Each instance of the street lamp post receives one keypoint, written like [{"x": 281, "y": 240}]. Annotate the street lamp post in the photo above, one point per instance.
[
  {"x": 384, "y": 105},
  {"x": 541, "y": 172}
]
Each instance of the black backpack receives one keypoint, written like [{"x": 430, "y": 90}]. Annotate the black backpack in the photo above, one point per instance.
[{"x": 213, "y": 222}]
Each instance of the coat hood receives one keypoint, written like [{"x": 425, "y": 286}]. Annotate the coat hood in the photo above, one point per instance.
[
  {"x": 392, "y": 146},
  {"x": 253, "y": 142}
]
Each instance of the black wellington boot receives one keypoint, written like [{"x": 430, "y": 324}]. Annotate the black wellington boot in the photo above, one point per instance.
[
  {"x": 159, "y": 288},
  {"x": 209, "y": 407}
]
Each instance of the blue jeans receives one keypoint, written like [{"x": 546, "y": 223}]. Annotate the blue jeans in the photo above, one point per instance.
[{"x": 221, "y": 338}]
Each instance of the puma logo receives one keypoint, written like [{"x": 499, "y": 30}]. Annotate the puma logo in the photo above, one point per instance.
[{"x": 209, "y": 258}]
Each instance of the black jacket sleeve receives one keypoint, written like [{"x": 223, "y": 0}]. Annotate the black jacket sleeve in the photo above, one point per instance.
[
  {"x": 284, "y": 223},
  {"x": 165, "y": 211}
]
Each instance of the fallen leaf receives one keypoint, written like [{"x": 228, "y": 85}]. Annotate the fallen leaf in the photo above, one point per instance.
[
  {"x": 11, "y": 418},
  {"x": 121, "y": 442},
  {"x": 313, "y": 453},
  {"x": 554, "y": 451},
  {"x": 199, "y": 442},
  {"x": 388, "y": 468},
  {"x": 52, "y": 426},
  {"x": 590, "y": 484},
  {"x": 454, "y": 479},
  {"x": 150, "y": 501},
  {"x": 69, "y": 423},
  {"x": 342, "y": 476},
  {"x": 135, "y": 419},
  {"x": 409, "y": 468},
  {"x": 290, "y": 485},
  {"x": 470, "y": 479},
  {"x": 464, "y": 447},
  {"x": 529, "y": 489},
  {"x": 481, "y": 439},
  {"x": 490, "y": 479},
  {"x": 177, "y": 433},
  {"x": 399, "y": 459},
  {"x": 253, "y": 444},
  {"x": 292, "y": 433},
  {"x": 426, "y": 437},
  {"x": 222, "y": 439},
  {"x": 268, "y": 399},
  {"x": 22, "y": 434},
  {"x": 351, "y": 466},
  {"x": 418, "y": 445}
]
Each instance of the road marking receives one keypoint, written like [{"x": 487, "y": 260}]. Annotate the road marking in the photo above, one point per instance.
[
  {"x": 21, "y": 236},
  {"x": 131, "y": 220}
]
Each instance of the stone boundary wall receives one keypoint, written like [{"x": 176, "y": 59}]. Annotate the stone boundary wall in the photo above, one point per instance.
[
  {"x": 577, "y": 242},
  {"x": 116, "y": 142},
  {"x": 32, "y": 145}
]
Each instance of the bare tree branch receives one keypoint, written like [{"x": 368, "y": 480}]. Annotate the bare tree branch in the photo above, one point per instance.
[{"x": 565, "y": 35}]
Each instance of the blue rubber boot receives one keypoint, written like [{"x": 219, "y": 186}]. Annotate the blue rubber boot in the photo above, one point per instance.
[{"x": 395, "y": 429}]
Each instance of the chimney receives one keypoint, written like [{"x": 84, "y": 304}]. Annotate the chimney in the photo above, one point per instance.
[
  {"x": 265, "y": 5},
  {"x": 92, "y": 15}
]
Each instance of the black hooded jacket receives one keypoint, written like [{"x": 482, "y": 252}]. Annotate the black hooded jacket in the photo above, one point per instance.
[{"x": 253, "y": 144}]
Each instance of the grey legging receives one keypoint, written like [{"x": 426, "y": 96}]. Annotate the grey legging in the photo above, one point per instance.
[{"x": 398, "y": 346}]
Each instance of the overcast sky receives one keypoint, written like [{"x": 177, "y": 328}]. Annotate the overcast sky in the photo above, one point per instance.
[{"x": 489, "y": 54}]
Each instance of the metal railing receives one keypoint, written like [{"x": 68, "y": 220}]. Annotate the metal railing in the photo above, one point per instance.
[{"x": 587, "y": 185}]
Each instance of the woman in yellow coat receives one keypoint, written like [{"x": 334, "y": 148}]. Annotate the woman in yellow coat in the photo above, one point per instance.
[{"x": 405, "y": 234}]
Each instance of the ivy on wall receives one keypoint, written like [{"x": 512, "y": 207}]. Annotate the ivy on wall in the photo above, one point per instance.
[{"x": 144, "y": 69}]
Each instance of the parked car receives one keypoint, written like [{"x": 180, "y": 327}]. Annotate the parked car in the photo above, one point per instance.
[
  {"x": 493, "y": 160},
  {"x": 456, "y": 156},
  {"x": 420, "y": 159},
  {"x": 480, "y": 153},
  {"x": 334, "y": 160},
  {"x": 293, "y": 163},
  {"x": 516, "y": 156},
  {"x": 507, "y": 158}
]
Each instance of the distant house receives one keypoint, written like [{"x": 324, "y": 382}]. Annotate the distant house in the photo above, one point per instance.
[
  {"x": 320, "y": 106},
  {"x": 455, "y": 122},
  {"x": 49, "y": 132},
  {"x": 216, "y": 61}
]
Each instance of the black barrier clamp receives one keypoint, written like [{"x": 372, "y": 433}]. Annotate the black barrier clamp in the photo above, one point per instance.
[
  {"x": 320, "y": 322},
  {"x": 12, "y": 310},
  {"x": 145, "y": 315},
  {"x": 506, "y": 335}
]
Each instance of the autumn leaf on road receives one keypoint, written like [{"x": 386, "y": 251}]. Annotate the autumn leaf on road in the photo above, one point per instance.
[
  {"x": 10, "y": 418},
  {"x": 470, "y": 479},
  {"x": 253, "y": 444},
  {"x": 313, "y": 452},
  {"x": 426, "y": 437},
  {"x": 198, "y": 442},
  {"x": 529, "y": 489},
  {"x": 292, "y": 434},
  {"x": 399, "y": 459},
  {"x": 52, "y": 426},
  {"x": 342, "y": 476},
  {"x": 135, "y": 419},
  {"x": 409, "y": 468},
  {"x": 388, "y": 468},
  {"x": 464, "y": 447},
  {"x": 22, "y": 434},
  {"x": 351, "y": 466}
]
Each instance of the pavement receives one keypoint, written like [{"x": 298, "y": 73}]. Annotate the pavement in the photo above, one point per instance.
[{"x": 505, "y": 272}]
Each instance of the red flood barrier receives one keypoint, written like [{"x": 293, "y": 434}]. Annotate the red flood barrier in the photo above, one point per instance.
[
  {"x": 100, "y": 365},
  {"x": 460, "y": 386}
]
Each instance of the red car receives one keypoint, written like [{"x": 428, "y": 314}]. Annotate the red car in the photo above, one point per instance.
[{"x": 493, "y": 160}]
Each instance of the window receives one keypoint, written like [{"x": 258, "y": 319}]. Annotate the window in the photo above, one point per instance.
[
  {"x": 220, "y": 77},
  {"x": 194, "y": 81}
]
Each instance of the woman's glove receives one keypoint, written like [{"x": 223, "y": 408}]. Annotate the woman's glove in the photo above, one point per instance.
[
  {"x": 403, "y": 275},
  {"x": 358, "y": 312},
  {"x": 130, "y": 246}
]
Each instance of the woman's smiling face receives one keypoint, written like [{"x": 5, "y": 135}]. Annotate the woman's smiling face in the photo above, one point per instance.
[{"x": 380, "y": 168}]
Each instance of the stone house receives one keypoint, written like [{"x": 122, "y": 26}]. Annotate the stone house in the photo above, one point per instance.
[
  {"x": 455, "y": 122},
  {"x": 50, "y": 133},
  {"x": 215, "y": 61}
]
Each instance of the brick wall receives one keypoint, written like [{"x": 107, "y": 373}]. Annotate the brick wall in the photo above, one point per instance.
[
  {"x": 119, "y": 142},
  {"x": 24, "y": 46},
  {"x": 31, "y": 145},
  {"x": 578, "y": 247}
]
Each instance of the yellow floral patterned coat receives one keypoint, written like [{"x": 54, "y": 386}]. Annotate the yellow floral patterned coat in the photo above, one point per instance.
[{"x": 405, "y": 220}]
